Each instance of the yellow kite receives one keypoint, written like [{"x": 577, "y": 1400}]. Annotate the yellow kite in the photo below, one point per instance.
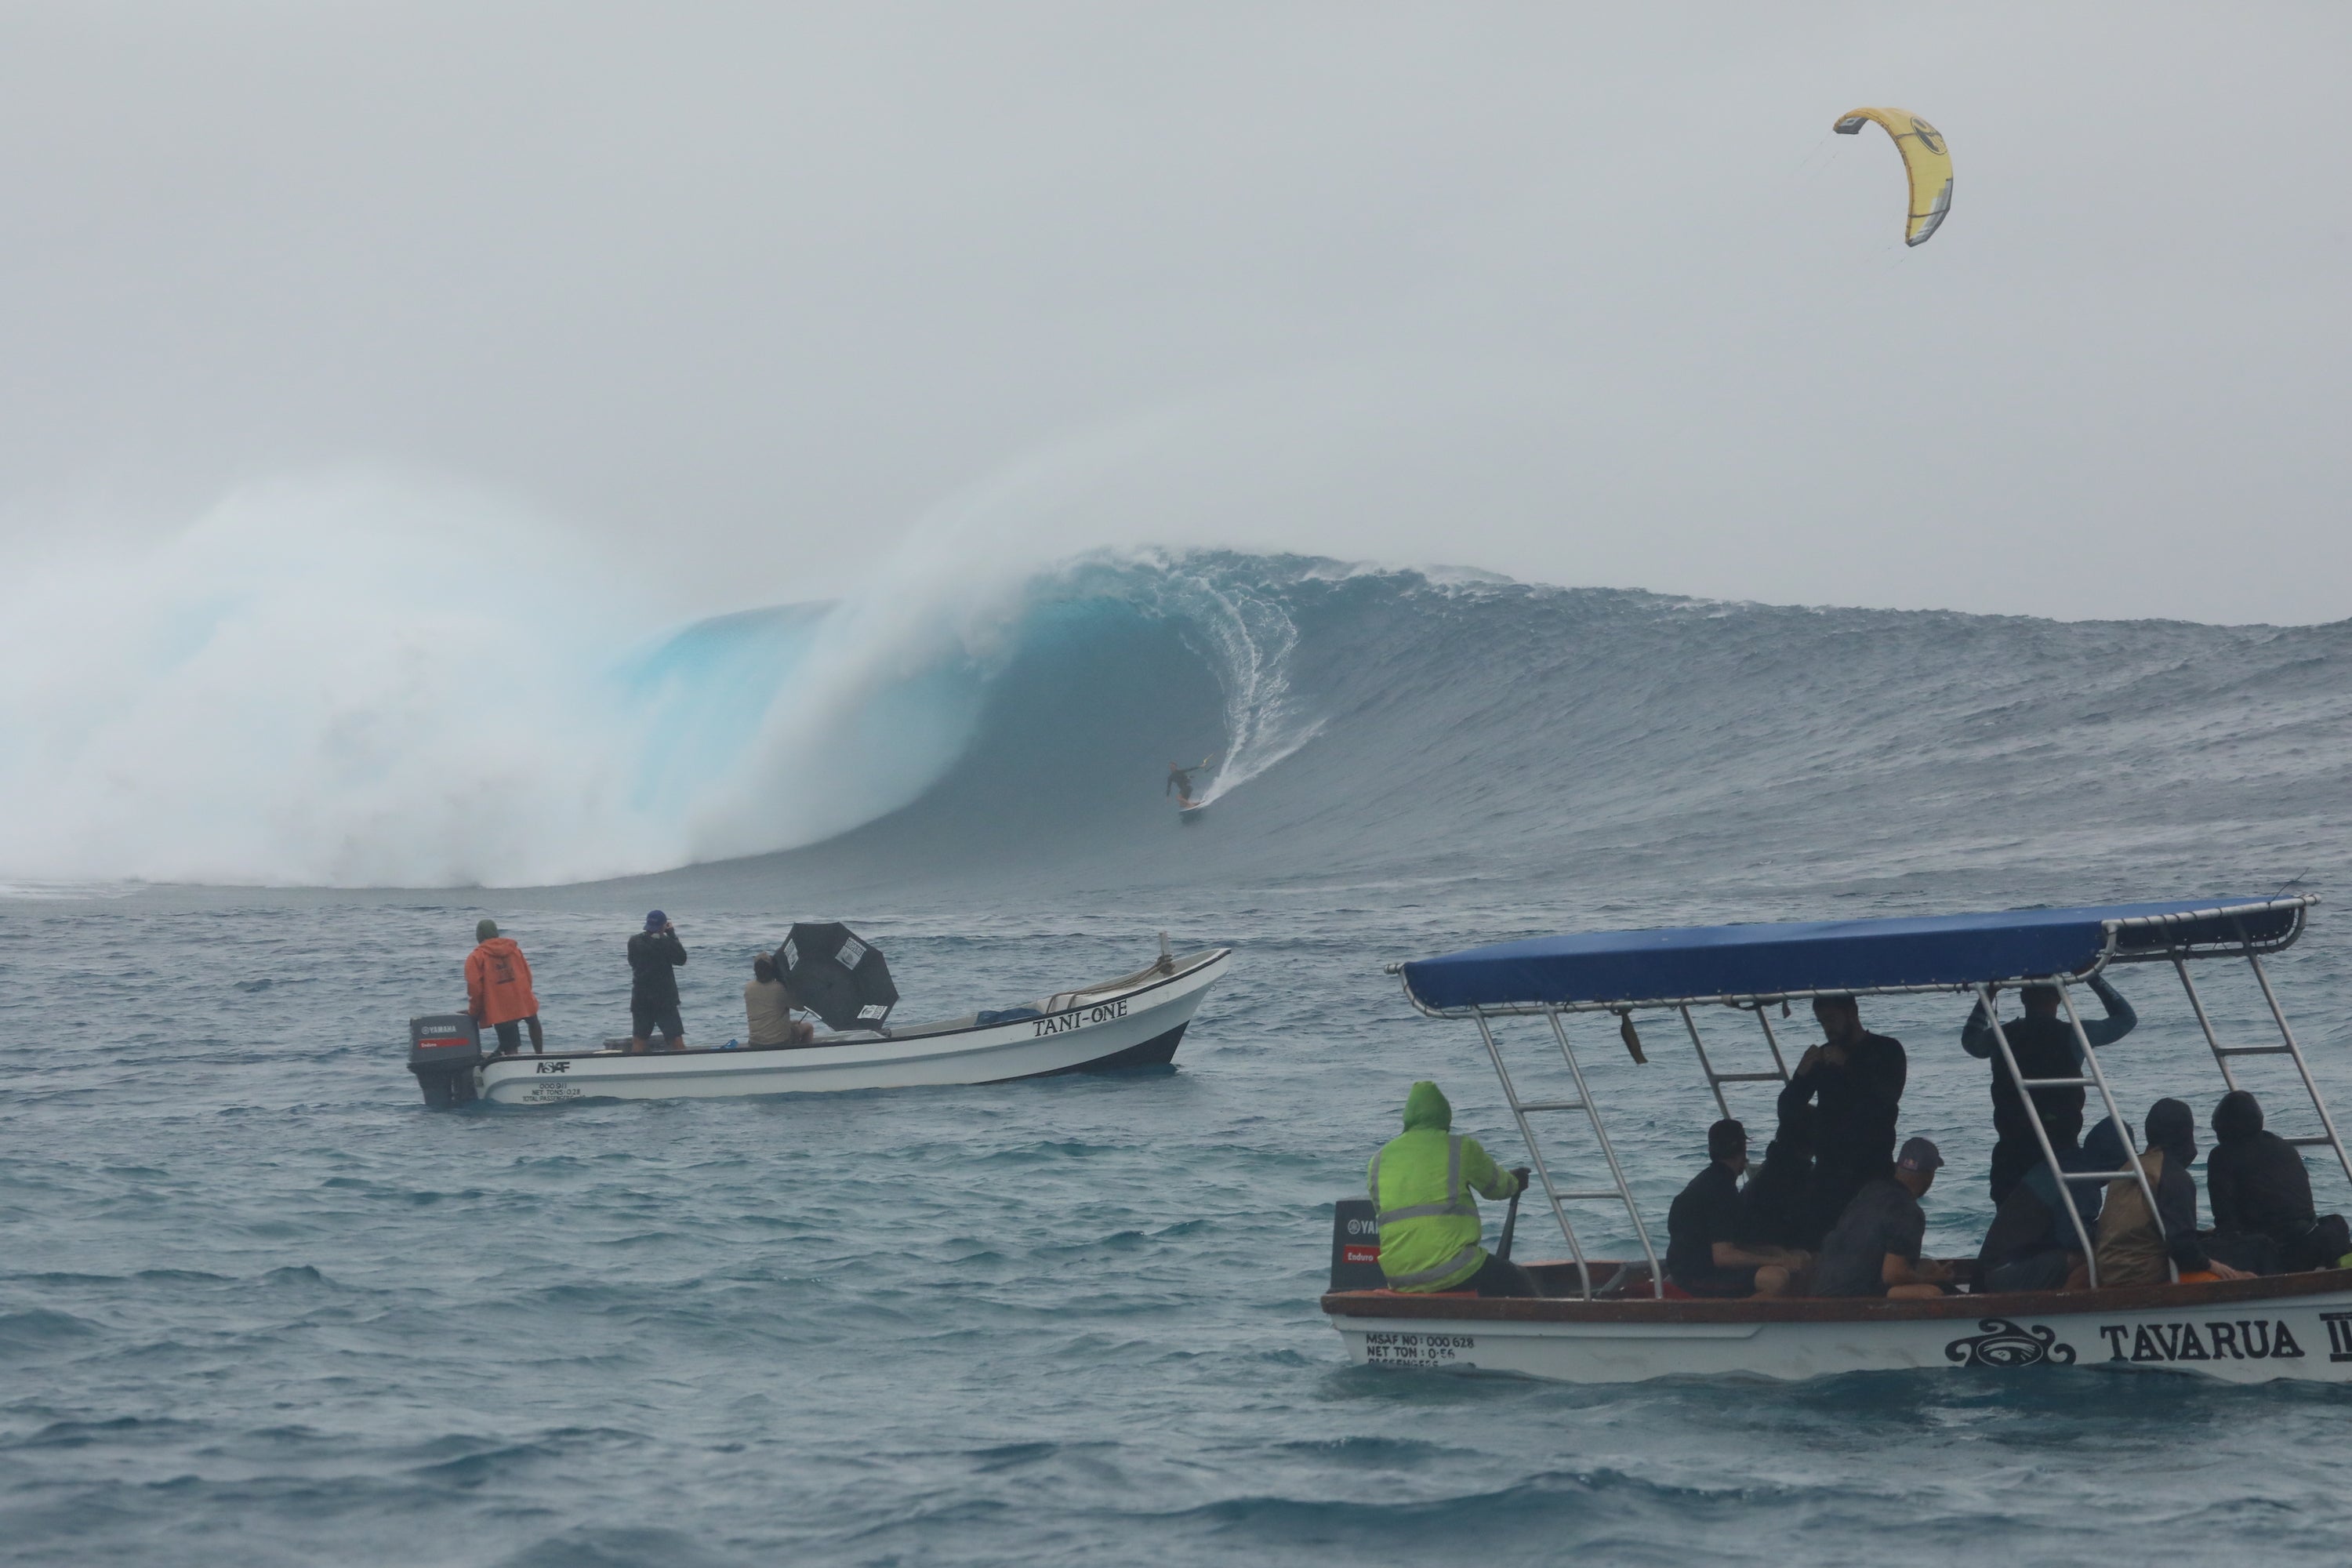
[{"x": 1925, "y": 158}]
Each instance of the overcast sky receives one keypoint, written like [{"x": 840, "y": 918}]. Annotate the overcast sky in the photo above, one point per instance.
[{"x": 1582, "y": 293}]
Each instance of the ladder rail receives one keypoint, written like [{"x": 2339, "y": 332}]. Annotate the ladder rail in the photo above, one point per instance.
[
  {"x": 1608, "y": 1152},
  {"x": 2041, "y": 1134},
  {"x": 1714, "y": 1082},
  {"x": 2302, "y": 1067},
  {"x": 2107, "y": 1097},
  {"x": 1535, "y": 1153},
  {"x": 1773, "y": 1040}
]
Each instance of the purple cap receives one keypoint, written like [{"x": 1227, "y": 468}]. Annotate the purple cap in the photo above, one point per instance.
[{"x": 656, "y": 920}]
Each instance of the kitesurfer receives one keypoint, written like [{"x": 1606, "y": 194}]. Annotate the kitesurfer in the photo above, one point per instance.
[
  {"x": 1179, "y": 780},
  {"x": 655, "y": 954},
  {"x": 498, "y": 989},
  {"x": 2045, "y": 1046},
  {"x": 1703, "y": 1252},
  {"x": 1855, "y": 1079},
  {"x": 768, "y": 1009},
  {"x": 1421, "y": 1183}
]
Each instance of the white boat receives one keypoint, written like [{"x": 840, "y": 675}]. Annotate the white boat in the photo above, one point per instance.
[
  {"x": 1597, "y": 1322},
  {"x": 1134, "y": 1021},
  {"x": 2242, "y": 1331}
]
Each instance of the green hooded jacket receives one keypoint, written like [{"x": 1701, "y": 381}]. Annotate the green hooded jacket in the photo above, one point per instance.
[{"x": 1421, "y": 1183}]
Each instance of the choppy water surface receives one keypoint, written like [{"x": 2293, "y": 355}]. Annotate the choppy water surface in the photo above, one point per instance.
[{"x": 258, "y": 1306}]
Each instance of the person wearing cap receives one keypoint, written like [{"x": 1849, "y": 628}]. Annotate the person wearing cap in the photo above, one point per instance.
[
  {"x": 2045, "y": 1048},
  {"x": 498, "y": 989},
  {"x": 2133, "y": 1244},
  {"x": 1704, "y": 1255},
  {"x": 1421, "y": 1183},
  {"x": 1855, "y": 1079},
  {"x": 1874, "y": 1248},
  {"x": 654, "y": 956}
]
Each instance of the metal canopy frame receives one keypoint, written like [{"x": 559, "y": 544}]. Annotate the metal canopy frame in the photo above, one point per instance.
[{"x": 1984, "y": 991}]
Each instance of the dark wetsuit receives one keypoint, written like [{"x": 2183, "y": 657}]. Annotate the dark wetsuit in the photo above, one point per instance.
[
  {"x": 1855, "y": 1107},
  {"x": 2044, "y": 1047}
]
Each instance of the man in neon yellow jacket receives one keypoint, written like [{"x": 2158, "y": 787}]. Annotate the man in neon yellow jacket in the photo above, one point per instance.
[{"x": 1421, "y": 1181}]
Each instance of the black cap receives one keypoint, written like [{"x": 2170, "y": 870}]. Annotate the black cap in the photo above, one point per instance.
[{"x": 1726, "y": 1139}]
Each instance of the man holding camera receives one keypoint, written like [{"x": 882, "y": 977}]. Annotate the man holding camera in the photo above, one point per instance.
[{"x": 655, "y": 957}]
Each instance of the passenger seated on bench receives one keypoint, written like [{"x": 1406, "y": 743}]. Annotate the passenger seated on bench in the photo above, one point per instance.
[
  {"x": 1779, "y": 1207},
  {"x": 1873, "y": 1249},
  {"x": 2031, "y": 1244},
  {"x": 768, "y": 1009},
  {"x": 2260, "y": 1194},
  {"x": 1702, "y": 1253},
  {"x": 2132, "y": 1246}
]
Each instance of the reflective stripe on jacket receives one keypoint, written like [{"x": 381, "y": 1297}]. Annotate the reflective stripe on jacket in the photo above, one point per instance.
[
  {"x": 498, "y": 983},
  {"x": 1421, "y": 1182}
]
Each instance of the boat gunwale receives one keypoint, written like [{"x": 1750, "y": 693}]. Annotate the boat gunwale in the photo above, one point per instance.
[{"x": 2164, "y": 1297}]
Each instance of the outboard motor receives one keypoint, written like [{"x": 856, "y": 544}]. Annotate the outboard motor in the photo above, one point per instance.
[
  {"x": 443, "y": 1052},
  {"x": 1356, "y": 1246}
]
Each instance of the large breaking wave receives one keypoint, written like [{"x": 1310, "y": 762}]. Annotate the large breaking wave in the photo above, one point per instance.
[{"x": 281, "y": 698}]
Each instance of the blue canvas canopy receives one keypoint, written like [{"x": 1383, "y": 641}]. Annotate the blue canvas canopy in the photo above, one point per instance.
[{"x": 1749, "y": 963}]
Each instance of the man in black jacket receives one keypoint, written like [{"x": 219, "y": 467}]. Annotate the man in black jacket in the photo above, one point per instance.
[
  {"x": 655, "y": 955},
  {"x": 2260, "y": 1194},
  {"x": 1855, "y": 1079},
  {"x": 2045, "y": 1045}
]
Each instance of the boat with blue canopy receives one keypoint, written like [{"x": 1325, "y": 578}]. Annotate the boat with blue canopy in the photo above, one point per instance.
[{"x": 1612, "y": 1319}]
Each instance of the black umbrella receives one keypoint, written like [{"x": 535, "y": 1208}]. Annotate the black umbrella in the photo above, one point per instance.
[{"x": 832, "y": 973}]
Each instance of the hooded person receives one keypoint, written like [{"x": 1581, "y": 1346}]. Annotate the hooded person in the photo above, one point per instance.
[
  {"x": 2261, "y": 1194},
  {"x": 2033, "y": 1246},
  {"x": 1422, "y": 1181},
  {"x": 498, "y": 989},
  {"x": 2133, "y": 1245}
]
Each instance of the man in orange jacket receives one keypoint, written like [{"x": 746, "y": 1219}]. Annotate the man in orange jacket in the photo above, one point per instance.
[{"x": 498, "y": 989}]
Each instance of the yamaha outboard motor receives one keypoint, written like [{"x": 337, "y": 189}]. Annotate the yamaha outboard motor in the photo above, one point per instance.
[
  {"x": 1356, "y": 1246},
  {"x": 443, "y": 1052}
]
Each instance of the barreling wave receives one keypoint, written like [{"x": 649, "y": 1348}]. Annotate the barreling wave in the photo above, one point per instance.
[{"x": 274, "y": 699}]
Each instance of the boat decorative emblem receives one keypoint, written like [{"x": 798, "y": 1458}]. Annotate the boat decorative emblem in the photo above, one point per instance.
[{"x": 2004, "y": 1344}]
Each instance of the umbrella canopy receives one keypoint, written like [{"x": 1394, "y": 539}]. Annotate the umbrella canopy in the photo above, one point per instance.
[{"x": 837, "y": 975}]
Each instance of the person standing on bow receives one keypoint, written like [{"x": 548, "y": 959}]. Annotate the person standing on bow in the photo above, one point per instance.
[
  {"x": 656, "y": 955},
  {"x": 498, "y": 989},
  {"x": 1421, "y": 1182},
  {"x": 2045, "y": 1046},
  {"x": 1855, "y": 1080}
]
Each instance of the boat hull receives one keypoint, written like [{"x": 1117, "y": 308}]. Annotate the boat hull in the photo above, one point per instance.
[
  {"x": 2256, "y": 1330},
  {"x": 1134, "y": 1026}
]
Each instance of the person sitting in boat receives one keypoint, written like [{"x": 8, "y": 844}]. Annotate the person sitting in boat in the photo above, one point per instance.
[
  {"x": 1421, "y": 1183},
  {"x": 498, "y": 989},
  {"x": 1777, "y": 1207},
  {"x": 2260, "y": 1194},
  {"x": 2031, "y": 1244},
  {"x": 1855, "y": 1080},
  {"x": 655, "y": 955},
  {"x": 768, "y": 1009},
  {"x": 2133, "y": 1244},
  {"x": 1704, "y": 1255},
  {"x": 2045, "y": 1046},
  {"x": 1874, "y": 1248}
]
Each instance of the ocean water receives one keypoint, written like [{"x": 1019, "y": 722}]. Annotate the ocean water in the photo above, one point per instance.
[{"x": 258, "y": 1306}]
